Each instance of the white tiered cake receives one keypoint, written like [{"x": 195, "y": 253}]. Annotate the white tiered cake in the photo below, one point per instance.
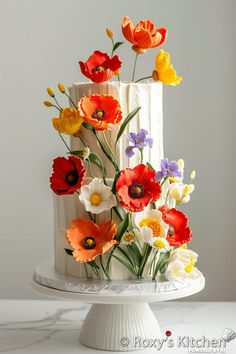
[{"x": 150, "y": 117}]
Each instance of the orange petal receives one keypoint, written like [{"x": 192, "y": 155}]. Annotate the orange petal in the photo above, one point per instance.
[
  {"x": 128, "y": 29},
  {"x": 83, "y": 255},
  {"x": 143, "y": 39}
]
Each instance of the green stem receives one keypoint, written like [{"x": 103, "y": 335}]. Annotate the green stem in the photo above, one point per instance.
[
  {"x": 146, "y": 254},
  {"x": 103, "y": 268},
  {"x": 105, "y": 152},
  {"x": 135, "y": 62},
  {"x": 113, "y": 43},
  {"x": 73, "y": 103},
  {"x": 64, "y": 141},
  {"x": 144, "y": 78},
  {"x": 164, "y": 180},
  {"x": 86, "y": 270},
  {"x": 141, "y": 155},
  {"x": 109, "y": 147},
  {"x": 57, "y": 103},
  {"x": 82, "y": 141},
  {"x": 126, "y": 255}
]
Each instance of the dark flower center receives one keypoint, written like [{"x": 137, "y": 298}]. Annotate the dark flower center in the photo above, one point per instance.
[
  {"x": 99, "y": 68},
  {"x": 89, "y": 242},
  {"x": 99, "y": 114},
  {"x": 72, "y": 178},
  {"x": 171, "y": 230},
  {"x": 136, "y": 190}
]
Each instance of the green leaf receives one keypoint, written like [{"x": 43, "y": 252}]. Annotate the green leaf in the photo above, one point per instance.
[
  {"x": 162, "y": 269},
  {"x": 93, "y": 264},
  {"x": 87, "y": 126},
  {"x": 126, "y": 122},
  {"x": 135, "y": 252},
  {"x": 122, "y": 227},
  {"x": 120, "y": 211},
  {"x": 150, "y": 166},
  {"x": 78, "y": 153},
  {"x": 95, "y": 159},
  {"x": 117, "y": 45},
  {"x": 113, "y": 188},
  {"x": 68, "y": 251},
  {"x": 126, "y": 264}
]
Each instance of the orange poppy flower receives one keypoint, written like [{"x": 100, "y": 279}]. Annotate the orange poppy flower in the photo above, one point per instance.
[
  {"x": 144, "y": 35},
  {"x": 100, "y": 111},
  {"x": 90, "y": 240}
]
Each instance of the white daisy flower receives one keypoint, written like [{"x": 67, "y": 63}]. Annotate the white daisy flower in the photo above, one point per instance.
[
  {"x": 151, "y": 225},
  {"x": 160, "y": 243},
  {"x": 97, "y": 197}
]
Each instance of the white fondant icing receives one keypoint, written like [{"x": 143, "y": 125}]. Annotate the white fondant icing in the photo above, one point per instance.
[{"x": 150, "y": 117}]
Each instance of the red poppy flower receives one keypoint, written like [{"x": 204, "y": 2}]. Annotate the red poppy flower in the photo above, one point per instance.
[
  {"x": 137, "y": 188},
  {"x": 90, "y": 240},
  {"x": 100, "y": 67},
  {"x": 100, "y": 111},
  {"x": 144, "y": 35},
  {"x": 68, "y": 175},
  {"x": 179, "y": 231}
]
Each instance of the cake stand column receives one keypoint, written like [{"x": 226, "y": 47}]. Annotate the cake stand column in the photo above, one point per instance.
[{"x": 119, "y": 327}]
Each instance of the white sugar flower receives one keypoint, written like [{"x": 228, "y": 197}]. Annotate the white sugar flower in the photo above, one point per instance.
[
  {"x": 129, "y": 237},
  {"x": 151, "y": 225},
  {"x": 86, "y": 152},
  {"x": 181, "y": 265},
  {"x": 97, "y": 197},
  {"x": 181, "y": 192},
  {"x": 160, "y": 243}
]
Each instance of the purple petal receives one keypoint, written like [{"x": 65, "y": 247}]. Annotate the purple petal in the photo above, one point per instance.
[
  {"x": 132, "y": 137},
  {"x": 149, "y": 142},
  {"x": 129, "y": 151},
  {"x": 180, "y": 174},
  {"x": 159, "y": 175},
  {"x": 142, "y": 135},
  {"x": 173, "y": 166},
  {"x": 165, "y": 164}
]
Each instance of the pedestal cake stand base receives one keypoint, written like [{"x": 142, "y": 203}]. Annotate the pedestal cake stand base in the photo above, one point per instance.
[{"x": 120, "y": 314}]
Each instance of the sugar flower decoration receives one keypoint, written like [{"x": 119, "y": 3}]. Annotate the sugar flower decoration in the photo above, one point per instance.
[
  {"x": 143, "y": 35},
  {"x": 129, "y": 237},
  {"x": 90, "y": 240},
  {"x": 100, "y": 67},
  {"x": 181, "y": 192},
  {"x": 68, "y": 174},
  {"x": 160, "y": 244},
  {"x": 169, "y": 169},
  {"x": 137, "y": 188},
  {"x": 164, "y": 70},
  {"x": 100, "y": 111},
  {"x": 138, "y": 141},
  {"x": 181, "y": 265},
  {"x": 69, "y": 121},
  {"x": 178, "y": 230},
  {"x": 151, "y": 225},
  {"x": 97, "y": 197}
]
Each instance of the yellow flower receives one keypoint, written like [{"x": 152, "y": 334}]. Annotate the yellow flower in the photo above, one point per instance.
[
  {"x": 109, "y": 33},
  {"x": 50, "y": 91},
  {"x": 193, "y": 174},
  {"x": 69, "y": 121},
  {"x": 61, "y": 87},
  {"x": 165, "y": 71}
]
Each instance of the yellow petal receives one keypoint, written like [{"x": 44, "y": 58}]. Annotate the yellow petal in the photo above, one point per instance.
[
  {"x": 193, "y": 174},
  {"x": 162, "y": 61},
  {"x": 109, "y": 33},
  {"x": 181, "y": 164},
  {"x": 50, "y": 91},
  {"x": 168, "y": 76},
  {"x": 177, "y": 81},
  {"x": 70, "y": 126},
  {"x": 61, "y": 87}
]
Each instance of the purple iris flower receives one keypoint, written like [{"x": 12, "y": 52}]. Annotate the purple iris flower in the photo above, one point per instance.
[
  {"x": 139, "y": 141},
  {"x": 168, "y": 169}
]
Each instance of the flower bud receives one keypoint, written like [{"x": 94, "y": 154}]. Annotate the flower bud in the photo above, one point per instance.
[
  {"x": 193, "y": 174},
  {"x": 61, "y": 87},
  {"x": 50, "y": 91},
  {"x": 86, "y": 152},
  {"x": 155, "y": 75},
  {"x": 47, "y": 103},
  {"x": 109, "y": 33},
  {"x": 181, "y": 164}
]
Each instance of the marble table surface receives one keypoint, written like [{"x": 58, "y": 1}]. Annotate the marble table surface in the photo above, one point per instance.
[{"x": 39, "y": 326}]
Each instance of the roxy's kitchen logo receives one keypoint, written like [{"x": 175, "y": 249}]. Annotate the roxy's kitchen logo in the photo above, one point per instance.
[{"x": 192, "y": 345}]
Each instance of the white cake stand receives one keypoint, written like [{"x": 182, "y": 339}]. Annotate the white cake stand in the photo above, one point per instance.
[{"x": 120, "y": 312}]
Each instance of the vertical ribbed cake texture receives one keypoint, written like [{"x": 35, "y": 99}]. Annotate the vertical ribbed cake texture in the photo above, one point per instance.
[{"x": 148, "y": 96}]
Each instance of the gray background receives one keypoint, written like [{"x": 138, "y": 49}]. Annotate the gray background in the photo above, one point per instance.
[{"x": 41, "y": 42}]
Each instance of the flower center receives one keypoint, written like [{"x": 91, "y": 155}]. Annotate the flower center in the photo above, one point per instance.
[
  {"x": 128, "y": 237},
  {"x": 191, "y": 264},
  {"x": 136, "y": 190},
  {"x": 152, "y": 224},
  {"x": 95, "y": 199},
  {"x": 99, "y": 114},
  {"x": 89, "y": 242},
  {"x": 72, "y": 178},
  {"x": 159, "y": 244},
  {"x": 99, "y": 68},
  {"x": 171, "y": 230}
]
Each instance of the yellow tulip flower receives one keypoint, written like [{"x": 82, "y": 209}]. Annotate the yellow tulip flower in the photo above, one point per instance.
[
  {"x": 164, "y": 70},
  {"x": 69, "y": 122}
]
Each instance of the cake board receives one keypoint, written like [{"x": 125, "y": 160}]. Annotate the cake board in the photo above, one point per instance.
[{"x": 120, "y": 310}]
